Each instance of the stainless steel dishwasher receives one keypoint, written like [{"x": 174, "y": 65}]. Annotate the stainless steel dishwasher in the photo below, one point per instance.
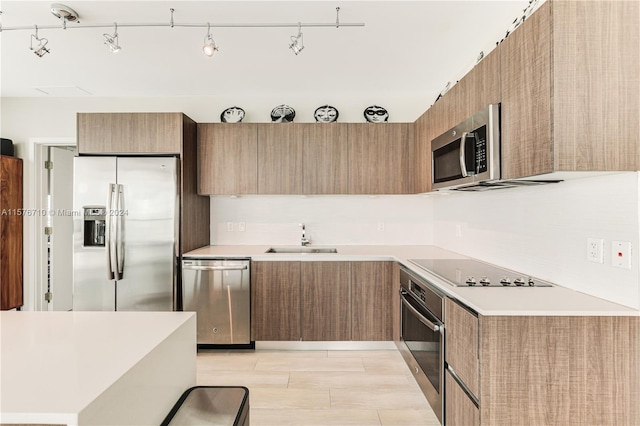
[{"x": 218, "y": 290}]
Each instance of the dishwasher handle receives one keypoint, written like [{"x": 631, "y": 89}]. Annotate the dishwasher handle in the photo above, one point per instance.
[{"x": 215, "y": 268}]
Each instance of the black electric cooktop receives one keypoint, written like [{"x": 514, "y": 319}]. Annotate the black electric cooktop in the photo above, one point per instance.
[{"x": 474, "y": 273}]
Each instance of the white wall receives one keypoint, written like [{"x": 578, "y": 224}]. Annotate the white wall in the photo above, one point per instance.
[
  {"x": 543, "y": 231},
  {"x": 338, "y": 220}
]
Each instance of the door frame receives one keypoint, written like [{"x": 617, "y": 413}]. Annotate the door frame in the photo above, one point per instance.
[{"x": 37, "y": 251}]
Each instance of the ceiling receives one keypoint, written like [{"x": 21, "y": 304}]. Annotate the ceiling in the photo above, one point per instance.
[{"x": 406, "y": 48}]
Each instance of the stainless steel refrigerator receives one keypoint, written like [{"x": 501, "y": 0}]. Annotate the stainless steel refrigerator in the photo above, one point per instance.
[{"x": 126, "y": 232}]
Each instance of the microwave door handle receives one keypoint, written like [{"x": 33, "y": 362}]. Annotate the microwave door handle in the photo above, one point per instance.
[{"x": 463, "y": 163}]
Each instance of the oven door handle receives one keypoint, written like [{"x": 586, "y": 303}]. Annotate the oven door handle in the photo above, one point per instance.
[{"x": 425, "y": 321}]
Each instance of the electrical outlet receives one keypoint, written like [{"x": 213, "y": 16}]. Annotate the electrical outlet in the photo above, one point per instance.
[
  {"x": 241, "y": 226},
  {"x": 621, "y": 254},
  {"x": 595, "y": 250},
  {"x": 229, "y": 226},
  {"x": 458, "y": 230},
  {"x": 381, "y": 226}
]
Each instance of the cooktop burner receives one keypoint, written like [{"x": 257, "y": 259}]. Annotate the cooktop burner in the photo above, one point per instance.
[{"x": 474, "y": 273}]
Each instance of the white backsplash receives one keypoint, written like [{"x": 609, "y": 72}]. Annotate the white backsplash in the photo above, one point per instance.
[
  {"x": 543, "y": 231},
  {"x": 338, "y": 220}
]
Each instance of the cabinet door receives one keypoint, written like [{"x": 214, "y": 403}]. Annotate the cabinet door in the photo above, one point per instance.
[
  {"x": 326, "y": 312},
  {"x": 596, "y": 88},
  {"x": 372, "y": 301},
  {"x": 459, "y": 408},
  {"x": 325, "y": 159},
  {"x": 275, "y": 300},
  {"x": 526, "y": 80},
  {"x": 11, "y": 222},
  {"x": 129, "y": 133},
  {"x": 280, "y": 157},
  {"x": 381, "y": 158},
  {"x": 462, "y": 346},
  {"x": 227, "y": 158}
]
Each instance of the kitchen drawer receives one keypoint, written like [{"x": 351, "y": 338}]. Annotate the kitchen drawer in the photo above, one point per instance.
[
  {"x": 461, "y": 344},
  {"x": 459, "y": 408}
]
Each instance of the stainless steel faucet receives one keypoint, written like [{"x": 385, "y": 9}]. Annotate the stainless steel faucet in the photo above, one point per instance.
[{"x": 304, "y": 240}]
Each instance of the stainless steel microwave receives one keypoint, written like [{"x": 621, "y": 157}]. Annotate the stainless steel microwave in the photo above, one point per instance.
[{"x": 469, "y": 153}]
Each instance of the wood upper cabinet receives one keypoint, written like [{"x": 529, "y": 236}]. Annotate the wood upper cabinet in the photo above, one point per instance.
[
  {"x": 275, "y": 300},
  {"x": 381, "y": 158},
  {"x": 372, "y": 297},
  {"x": 570, "y": 90},
  {"x": 280, "y": 157},
  {"x": 326, "y": 303},
  {"x": 227, "y": 158},
  {"x": 11, "y": 236},
  {"x": 130, "y": 133},
  {"x": 526, "y": 78},
  {"x": 325, "y": 159}
]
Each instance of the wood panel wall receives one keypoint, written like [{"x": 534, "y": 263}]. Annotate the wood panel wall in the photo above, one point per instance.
[{"x": 11, "y": 233}]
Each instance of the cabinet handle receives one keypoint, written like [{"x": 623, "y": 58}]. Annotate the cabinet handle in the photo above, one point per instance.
[
  {"x": 215, "y": 268},
  {"x": 463, "y": 163},
  {"x": 425, "y": 321}
]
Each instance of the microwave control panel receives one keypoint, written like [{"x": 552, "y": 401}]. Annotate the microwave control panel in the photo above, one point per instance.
[{"x": 481, "y": 149}]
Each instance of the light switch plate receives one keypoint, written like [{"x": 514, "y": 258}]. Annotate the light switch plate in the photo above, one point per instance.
[{"x": 621, "y": 254}]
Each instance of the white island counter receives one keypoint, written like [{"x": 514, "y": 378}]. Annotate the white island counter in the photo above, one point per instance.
[{"x": 94, "y": 367}]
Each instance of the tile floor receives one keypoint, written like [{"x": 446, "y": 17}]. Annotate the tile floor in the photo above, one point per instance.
[{"x": 321, "y": 387}]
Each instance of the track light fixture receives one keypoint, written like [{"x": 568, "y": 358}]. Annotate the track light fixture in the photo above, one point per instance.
[
  {"x": 67, "y": 15},
  {"x": 41, "y": 47},
  {"x": 297, "y": 44},
  {"x": 112, "y": 40},
  {"x": 209, "y": 47}
]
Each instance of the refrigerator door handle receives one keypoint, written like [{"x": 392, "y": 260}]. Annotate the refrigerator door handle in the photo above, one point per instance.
[
  {"x": 110, "y": 232},
  {"x": 120, "y": 211}
]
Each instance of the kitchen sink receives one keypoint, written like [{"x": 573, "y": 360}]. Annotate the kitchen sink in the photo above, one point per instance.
[{"x": 301, "y": 250}]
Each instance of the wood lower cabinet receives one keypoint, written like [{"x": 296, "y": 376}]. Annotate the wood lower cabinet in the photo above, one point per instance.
[
  {"x": 462, "y": 346},
  {"x": 130, "y": 133},
  {"x": 275, "y": 300},
  {"x": 459, "y": 408},
  {"x": 11, "y": 236},
  {"x": 380, "y": 158},
  {"x": 372, "y": 297},
  {"x": 578, "y": 370},
  {"x": 325, "y": 301},
  {"x": 227, "y": 158}
]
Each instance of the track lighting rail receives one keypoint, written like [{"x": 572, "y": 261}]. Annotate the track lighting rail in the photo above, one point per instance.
[{"x": 187, "y": 25}]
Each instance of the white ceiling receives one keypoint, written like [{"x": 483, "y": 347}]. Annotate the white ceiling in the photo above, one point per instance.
[{"x": 406, "y": 48}]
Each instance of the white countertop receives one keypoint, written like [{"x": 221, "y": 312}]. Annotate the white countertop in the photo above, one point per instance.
[
  {"x": 55, "y": 364},
  {"x": 543, "y": 301}
]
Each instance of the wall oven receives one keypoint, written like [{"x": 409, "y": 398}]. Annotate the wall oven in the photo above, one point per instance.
[
  {"x": 422, "y": 336},
  {"x": 469, "y": 153}
]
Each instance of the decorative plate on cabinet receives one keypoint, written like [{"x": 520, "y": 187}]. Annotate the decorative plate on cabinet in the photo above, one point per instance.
[
  {"x": 376, "y": 114},
  {"x": 283, "y": 114},
  {"x": 232, "y": 114},
  {"x": 326, "y": 114}
]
